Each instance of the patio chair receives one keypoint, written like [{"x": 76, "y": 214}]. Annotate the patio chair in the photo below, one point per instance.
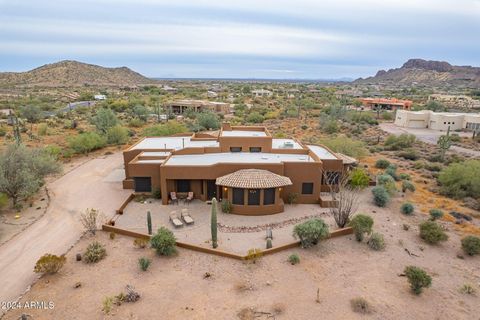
[
  {"x": 186, "y": 217},
  {"x": 175, "y": 220},
  {"x": 189, "y": 198},
  {"x": 173, "y": 196}
]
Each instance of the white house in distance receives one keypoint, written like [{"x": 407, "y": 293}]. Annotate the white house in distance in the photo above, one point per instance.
[
  {"x": 438, "y": 120},
  {"x": 100, "y": 97},
  {"x": 261, "y": 93}
]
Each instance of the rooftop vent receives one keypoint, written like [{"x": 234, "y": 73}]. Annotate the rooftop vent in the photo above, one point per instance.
[{"x": 288, "y": 144}]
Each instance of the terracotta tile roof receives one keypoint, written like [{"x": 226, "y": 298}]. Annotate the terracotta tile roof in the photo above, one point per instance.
[{"x": 253, "y": 179}]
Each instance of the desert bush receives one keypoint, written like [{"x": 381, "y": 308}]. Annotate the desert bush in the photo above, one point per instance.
[
  {"x": 157, "y": 194},
  {"x": 376, "y": 241},
  {"x": 387, "y": 181},
  {"x": 362, "y": 224},
  {"x": 359, "y": 178},
  {"x": 380, "y": 196},
  {"x": 253, "y": 255},
  {"x": 107, "y": 304},
  {"x": 417, "y": 278},
  {"x": 432, "y": 233},
  {"x": 117, "y": 135},
  {"x": 94, "y": 252},
  {"x": 382, "y": 164},
  {"x": 208, "y": 120},
  {"x": 434, "y": 167},
  {"x": 436, "y": 214},
  {"x": 136, "y": 123},
  {"x": 144, "y": 263},
  {"x": 292, "y": 198},
  {"x": 407, "y": 208},
  {"x": 112, "y": 235},
  {"x": 164, "y": 242},
  {"x": 49, "y": 263},
  {"x": 460, "y": 180},
  {"x": 86, "y": 142},
  {"x": 471, "y": 245},
  {"x": 226, "y": 206},
  {"x": 167, "y": 129},
  {"x": 404, "y": 176},
  {"x": 255, "y": 117},
  {"x": 53, "y": 150},
  {"x": 3, "y": 131},
  {"x": 345, "y": 145},
  {"x": 400, "y": 142},
  {"x": 360, "y": 305},
  {"x": 407, "y": 185},
  {"x": 91, "y": 220},
  {"x": 104, "y": 119},
  {"x": 467, "y": 289},
  {"x": 409, "y": 154},
  {"x": 140, "y": 242},
  {"x": 392, "y": 171},
  {"x": 42, "y": 129},
  {"x": 311, "y": 232},
  {"x": 294, "y": 259}
]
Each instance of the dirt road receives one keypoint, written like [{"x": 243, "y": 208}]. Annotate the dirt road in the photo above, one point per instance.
[
  {"x": 428, "y": 136},
  {"x": 94, "y": 184}
]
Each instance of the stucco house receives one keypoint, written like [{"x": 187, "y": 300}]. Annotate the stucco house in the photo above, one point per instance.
[
  {"x": 438, "y": 120},
  {"x": 242, "y": 164}
]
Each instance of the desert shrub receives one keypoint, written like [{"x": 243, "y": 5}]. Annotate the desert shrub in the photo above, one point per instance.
[
  {"x": 157, "y": 194},
  {"x": 359, "y": 178},
  {"x": 409, "y": 154},
  {"x": 226, "y": 206},
  {"x": 136, "y": 123},
  {"x": 49, "y": 263},
  {"x": 311, "y": 232},
  {"x": 164, "y": 242},
  {"x": 104, "y": 119},
  {"x": 140, "y": 242},
  {"x": 144, "y": 263},
  {"x": 292, "y": 198},
  {"x": 294, "y": 259},
  {"x": 253, "y": 255},
  {"x": 94, "y": 252},
  {"x": 380, "y": 196},
  {"x": 208, "y": 120},
  {"x": 42, "y": 129},
  {"x": 360, "y": 305},
  {"x": 376, "y": 241},
  {"x": 382, "y": 164},
  {"x": 167, "y": 129},
  {"x": 329, "y": 125},
  {"x": 112, "y": 235},
  {"x": 400, "y": 142},
  {"x": 434, "y": 167},
  {"x": 420, "y": 164},
  {"x": 255, "y": 117},
  {"x": 3, "y": 131},
  {"x": 467, "y": 289},
  {"x": 432, "y": 233},
  {"x": 90, "y": 220},
  {"x": 117, "y": 135},
  {"x": 417, "y": 278},
  {"x": 460, "y": 180},
  {"x": 86, "y": 142},
  {"x": 387, "y": 181},
  {"x": 404, "y": 176},
  {"x": 3, "y": 200},
  {"x": 471, "y": 245},
  {"x": 407, "y": 185},
  {"x": 392, "y": 171},
  {"x": 361, "y": 224},
  {"x": 345, "y": 145},
  {"x": 107, "y": 304},
  {"x": 436, "y": 214},
  {"x": 407, "y": 208},
  {"x": 53, "y": 150}
]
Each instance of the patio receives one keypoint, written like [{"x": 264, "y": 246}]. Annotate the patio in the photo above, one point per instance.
[{"x": 236, "y": 233}]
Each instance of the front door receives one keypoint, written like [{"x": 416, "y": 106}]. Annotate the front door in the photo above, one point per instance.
[{"x": 211, "y": 189}]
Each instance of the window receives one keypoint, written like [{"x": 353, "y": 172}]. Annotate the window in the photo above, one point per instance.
[
  {"x": 331, "y": 178},
  {"x": 237, "y": 196},
  {"x": 268, "y": 196},
  {"x": 183, "y": 185},
  {"x": 255, "y": 149},
  {"x": 235, "y": 149},
  {"x": 253, "y": 197},
  {"x": 307, "y": 188}
]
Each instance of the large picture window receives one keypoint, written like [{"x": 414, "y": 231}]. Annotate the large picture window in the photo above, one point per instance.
[
  {"x": 253, "y": 197},
  {"x": 269, "y": 196},
  {"x": 307, "y": 188},
  {"x": 183, "y": 185},
  {"x": 237, "y": 196}
]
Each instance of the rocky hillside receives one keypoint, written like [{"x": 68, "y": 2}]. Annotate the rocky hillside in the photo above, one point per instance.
[
  {"x": 73, "y": 74},
  {"x": 427, "y": 73}
]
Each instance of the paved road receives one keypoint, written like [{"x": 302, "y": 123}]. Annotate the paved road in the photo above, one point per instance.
[
  {"x": 428, "y": 136},
  {"x": 94, "y": 184}
]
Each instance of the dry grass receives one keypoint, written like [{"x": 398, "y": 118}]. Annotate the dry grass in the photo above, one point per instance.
[{"x": 361, "y": 305}]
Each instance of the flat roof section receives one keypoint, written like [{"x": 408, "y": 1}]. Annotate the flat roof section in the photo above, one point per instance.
[
  {"x": 285, "y": 144},
  {"x": 175, "y": 143},
  {"x": 155, "y": 154},
  {"x": 235, "y": 157},
  {"x": 243, "y": 133},
  {"x": 150, "y": 161},
  {"x": 322, "y": 153}
]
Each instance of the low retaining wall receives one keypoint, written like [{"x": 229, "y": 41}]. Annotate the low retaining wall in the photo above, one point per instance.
[
  {"x": 334, "y": 234},
  {"x": 125, "y": 203}
]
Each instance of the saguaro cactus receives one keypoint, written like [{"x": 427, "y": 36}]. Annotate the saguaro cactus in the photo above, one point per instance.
[
  {"x": 213, "y": 223},
  {"x": 269, "y": 243},
  {"x": 444, "y": 143},
  {"x": 149, "y": 222}
]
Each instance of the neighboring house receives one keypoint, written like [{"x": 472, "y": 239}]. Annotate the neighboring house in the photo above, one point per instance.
[
  {"x": 212, "y": 94},
  {"x": 386, "y": 104},
  {"x": 100, "y": 97},
  {"x": 261, "y": 93},
  {"x": 242, "y": 164},
  {"x": 169, "y": 89},
  {"x": 181, "y": 106},
  {"x": 438, "y": 120}
]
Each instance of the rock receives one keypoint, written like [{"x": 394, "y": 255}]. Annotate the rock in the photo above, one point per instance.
[
  {"x": 77, "y": 285},
  {"x": 79, "y": 257},
  {"x": 460, "y": 256}
]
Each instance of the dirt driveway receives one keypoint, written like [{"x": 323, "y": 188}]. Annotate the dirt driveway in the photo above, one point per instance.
[
  {"x": 427, "y": 136},
  {"x": 94, "y": 184}
]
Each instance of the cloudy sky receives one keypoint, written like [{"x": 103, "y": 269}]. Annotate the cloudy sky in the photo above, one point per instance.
[{"x": 240, "y": 39}]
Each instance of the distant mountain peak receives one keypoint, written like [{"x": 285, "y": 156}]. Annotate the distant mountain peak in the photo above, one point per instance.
[{"x": 439, "y": 66}]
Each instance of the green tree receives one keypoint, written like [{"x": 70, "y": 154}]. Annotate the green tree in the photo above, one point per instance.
[
  {"x": 32, "y": 113},
  {"x": 208, "y": 120},
  {"x": 140, "y": 112},
  {"x": 22, "y": 171},
  {"x": 104, "y": 119},
  {"x": 213, "y": 223}
]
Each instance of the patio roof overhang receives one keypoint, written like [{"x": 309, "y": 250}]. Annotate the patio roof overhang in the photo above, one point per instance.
[{"x": 253, "y": 179}]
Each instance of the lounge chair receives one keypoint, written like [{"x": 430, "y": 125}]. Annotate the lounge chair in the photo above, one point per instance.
[
  {"x": 189, "y": 198},
  {"x": 175, "y": 220},
  {"x": 186, "y": 217},
  {"x": 173, "y": 196}
]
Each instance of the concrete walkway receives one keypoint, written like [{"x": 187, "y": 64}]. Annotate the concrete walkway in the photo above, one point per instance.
[
  {"x": 428, "y": 136},
  {"x": 93, "y": 184}
]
